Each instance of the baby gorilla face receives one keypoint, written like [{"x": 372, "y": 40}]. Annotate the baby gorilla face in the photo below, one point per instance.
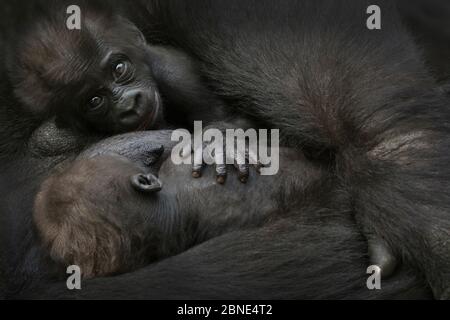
[
  {"x": 124, "y": 98},
  {"x": 98, "y": 78},
  {"x": 98, "y": 215}
]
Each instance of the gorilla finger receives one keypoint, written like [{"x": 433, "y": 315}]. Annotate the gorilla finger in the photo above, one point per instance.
[
  {"x": 197, "y": 166},
  {"x": 252, "y": 157},
  {"x": 197, "y": 170},
  {"x": 221, "y": 173},
  {"x": 243, "y": 172},
  {"x": 258, "y": 167}
]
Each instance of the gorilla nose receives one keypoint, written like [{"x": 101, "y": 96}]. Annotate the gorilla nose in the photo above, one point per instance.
[
  {"x": 130, "y": 105},
  {"x": 146, "y": 183}
]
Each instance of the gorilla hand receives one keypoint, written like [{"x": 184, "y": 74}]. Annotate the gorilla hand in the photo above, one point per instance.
[{"x": 222, "y": 149}]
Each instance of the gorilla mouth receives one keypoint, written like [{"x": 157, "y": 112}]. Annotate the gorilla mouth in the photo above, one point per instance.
[{"x": 150, "y": 119}]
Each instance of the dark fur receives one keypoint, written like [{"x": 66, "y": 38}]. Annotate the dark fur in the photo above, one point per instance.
[
  {"x": 429, "y": 22},
  {"x": 188, "y": 212},
  {"x": 56, "y": 72},
  {"x": 134, "y": 228},
  {"x": 360, "y": 102},
  {"x": 104, "y": 242},
  {"x": 295, "y": 269},
  {"x": 363, "y": 100}
]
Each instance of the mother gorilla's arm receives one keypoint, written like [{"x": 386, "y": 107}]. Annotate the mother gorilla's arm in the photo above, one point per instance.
[{"x": 290, "y": 259}]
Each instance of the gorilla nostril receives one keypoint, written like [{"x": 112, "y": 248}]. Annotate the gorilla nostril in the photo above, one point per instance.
[
  {"x": 147, "y": 183},
  {"x": 130, "y": 109},
  {"x": 130, "y": 102}
]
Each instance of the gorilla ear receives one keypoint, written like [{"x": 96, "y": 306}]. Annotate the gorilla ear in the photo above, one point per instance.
[
  {"x": 146, "y": 183},
  {"x": 30, "y": 90}
]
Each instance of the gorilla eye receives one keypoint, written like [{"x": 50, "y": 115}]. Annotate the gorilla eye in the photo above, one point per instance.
[
  {"x": 95, "y": 103},
  {"x": 120, "y": 69}
]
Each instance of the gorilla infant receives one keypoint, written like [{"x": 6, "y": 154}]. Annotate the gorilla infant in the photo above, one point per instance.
[
  {"x": 140, "y": 223},
  {"x": 105, "y": 77}
]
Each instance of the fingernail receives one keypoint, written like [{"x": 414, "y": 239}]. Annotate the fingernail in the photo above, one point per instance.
[
  {"x": 243, "y": 179},
  {"x": 221, "y": 179}
]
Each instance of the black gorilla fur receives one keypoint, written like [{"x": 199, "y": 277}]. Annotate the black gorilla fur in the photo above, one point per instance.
[
  {"x": 360, "y": 103},
  {"x": 269, "y": 205}
]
